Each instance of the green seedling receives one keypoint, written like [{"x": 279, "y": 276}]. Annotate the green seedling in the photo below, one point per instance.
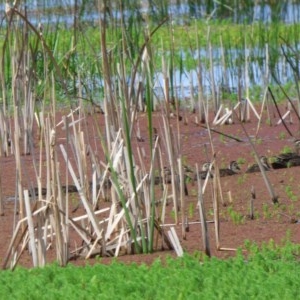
[{"x": 236, "y": 217}]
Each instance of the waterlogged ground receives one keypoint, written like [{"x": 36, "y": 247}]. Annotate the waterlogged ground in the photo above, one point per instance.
[{"x": 279, "y": 222}]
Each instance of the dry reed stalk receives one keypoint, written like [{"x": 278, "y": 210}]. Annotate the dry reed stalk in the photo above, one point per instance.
[
  {"x": 148, "y": 194},
  {"x": 94, "y": 187},
  {"x": 31, "y": 229},
  {"x": 204, "y": 229},
  {"x": 63, "y": 208},
  {"x": 216, "y": 180},
  {"x": 226, "y": 118},
  {"x": 250, "y": 105},
  {"x": 120, "y": 239},
  {"x": 18, "y": 165},
  {"x": 86, "y": 204},
  {"x": 18, "y": 236},
  {"x": 164, "y": 204},
  {"x": 219, "y": 185},
  {"x": 170, "y": 150},
  {"x": 175, "y": 241},
  {"x": 230, "y": 200},
  {"x": 61, "y": 249},
  {"x": 41, "y": 239},
  {"x": 4, "y": 133},
  {"x": 216, "y": 190},
  {"x": 181, "y": 195},
  {"x": 217, "y": 114},
  {"x": 288, "y": 113}
]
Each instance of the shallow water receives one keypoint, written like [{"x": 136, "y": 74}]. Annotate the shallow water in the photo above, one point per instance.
[{"x": 227, "y": 79}]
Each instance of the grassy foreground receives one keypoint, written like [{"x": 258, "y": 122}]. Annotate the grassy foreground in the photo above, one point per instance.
[{"x": 269, "y": 272}]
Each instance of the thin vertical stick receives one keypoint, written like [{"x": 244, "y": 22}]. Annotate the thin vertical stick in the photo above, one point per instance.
[
  {"x": 182, "y": 202},
  {"x": 30, "y": 229},
  {"x": 216, "y": 180},
  {"x": 216, "y": 212},
  {"x": 205, "y": 237},
  {"x": 18, "y": 167},
  {"x": 168, "y": 138},
  {"x": 199, "y": 79},
  {"x": 247, "y": 118}
]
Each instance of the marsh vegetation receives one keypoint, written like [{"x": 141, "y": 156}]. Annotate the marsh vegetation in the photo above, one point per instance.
[{"x": 129, "y": 61}]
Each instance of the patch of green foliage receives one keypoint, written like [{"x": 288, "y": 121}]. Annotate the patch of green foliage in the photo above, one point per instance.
[{"x": 268, "y": 272}]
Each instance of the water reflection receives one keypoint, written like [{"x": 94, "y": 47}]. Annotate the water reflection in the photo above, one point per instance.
[
  {"x": 228, "y": 77},
  {"x": 285, "y": 11}
]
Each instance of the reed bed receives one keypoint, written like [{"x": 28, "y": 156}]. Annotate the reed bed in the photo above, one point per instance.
[{"x": 114, "y": 70}]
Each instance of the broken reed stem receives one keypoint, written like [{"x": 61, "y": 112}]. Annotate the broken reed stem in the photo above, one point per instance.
[
  {"x": 204, "y": 229},
  {"x": 62, "y": 260}
]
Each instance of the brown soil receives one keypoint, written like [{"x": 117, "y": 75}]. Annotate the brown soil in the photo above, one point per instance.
[{"x": 277, "y": 222}]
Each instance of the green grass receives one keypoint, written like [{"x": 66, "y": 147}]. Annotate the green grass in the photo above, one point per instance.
[{"x": 269, "y": 272}]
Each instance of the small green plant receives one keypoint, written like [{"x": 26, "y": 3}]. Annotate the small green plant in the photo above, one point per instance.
[
  {"x": 256, "y": 215},
  {"x": 194, "y": 192},
  {"x": 236, "y": 217},
  {"x": 286, "y": 149},
  {"x": 290, "y": 193},
  {"x": 291, "y": 209},
  {"x": 191, "y": 210},
  {"x": 173, "y": 214},
  {"x": 210, "y": 212},
  {"x": 282, "y": 135},
  {"x": 222, "y": 138},
  {"x": 241, "y": 160},
  {"x": 258, "y": 141},
  {"x": 266, "y": 211},
  {"x": 241, "y": 179}
]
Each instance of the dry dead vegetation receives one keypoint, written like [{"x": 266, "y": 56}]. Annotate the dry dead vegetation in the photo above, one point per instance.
[{"x": 125, "y": 193}]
